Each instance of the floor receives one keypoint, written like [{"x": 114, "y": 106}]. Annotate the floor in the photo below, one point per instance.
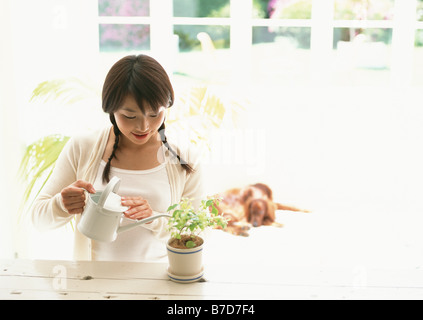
[{"x": 324, "y": 240}]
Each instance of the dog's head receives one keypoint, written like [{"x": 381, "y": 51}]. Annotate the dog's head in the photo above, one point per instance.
[{"x": 257, "y": 211}]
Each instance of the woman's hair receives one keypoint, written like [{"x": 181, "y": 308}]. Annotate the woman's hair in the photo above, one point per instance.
[{"x": 143, "y": 78}]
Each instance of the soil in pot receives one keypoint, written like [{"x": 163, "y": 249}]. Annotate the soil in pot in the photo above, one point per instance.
[{"x": 181, "y": 243}]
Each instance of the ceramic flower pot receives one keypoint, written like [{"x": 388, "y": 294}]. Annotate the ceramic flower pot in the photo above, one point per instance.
[{"x": 185, "y": 265}]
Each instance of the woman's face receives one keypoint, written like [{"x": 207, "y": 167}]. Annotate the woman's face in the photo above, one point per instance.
[{"x": 137, "y": 127}]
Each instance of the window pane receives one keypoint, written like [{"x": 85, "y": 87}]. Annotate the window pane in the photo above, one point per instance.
[
  {"x": 281, "y": 55},
  {"x": 189, "y": 40},
  {"x": 125, "y": 8},
  {"x": 418, "y": 58},
  {"x": 203, "y": 52},
  {"x": 420, "y": 10},
  {"x": 282, "y": 9},
  {"x": 201, "y": 8},
  {"x": 364, "y": 9},
  {"x": 124, "y": 37},
  {"x": 362, "y": 35},
  {"x": 362, "y": 56}
]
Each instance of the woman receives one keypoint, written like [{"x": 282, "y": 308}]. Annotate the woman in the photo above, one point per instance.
[{"x": 136, "y": 93}]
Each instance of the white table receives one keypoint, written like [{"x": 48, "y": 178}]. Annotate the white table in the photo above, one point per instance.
[{"x": 45, "y": 279}]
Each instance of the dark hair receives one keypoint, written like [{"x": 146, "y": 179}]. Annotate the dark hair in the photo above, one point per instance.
[{"x": 143, "y": 78}]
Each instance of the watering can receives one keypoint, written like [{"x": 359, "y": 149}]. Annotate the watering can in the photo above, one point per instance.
[{"x": 102, "y": 223}]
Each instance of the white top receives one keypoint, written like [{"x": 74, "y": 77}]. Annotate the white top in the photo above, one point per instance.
[{"x": 138, "y": 244}]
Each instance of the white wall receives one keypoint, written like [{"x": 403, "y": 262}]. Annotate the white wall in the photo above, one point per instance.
[
  {"x": 54, "y": 39},
  {"x": 41, "y": 40},
  {"x": 8, "y": 149}
]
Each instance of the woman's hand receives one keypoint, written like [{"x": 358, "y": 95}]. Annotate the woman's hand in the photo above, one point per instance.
[
  {"x": 139, "y": 208},
  {"x": 73, "y": 196}
]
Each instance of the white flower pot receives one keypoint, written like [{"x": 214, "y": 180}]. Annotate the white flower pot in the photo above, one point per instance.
[{"x": 185, "y": 265}]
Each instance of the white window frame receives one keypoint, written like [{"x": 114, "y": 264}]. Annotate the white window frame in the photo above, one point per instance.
[{"x": 322, "y": 24}]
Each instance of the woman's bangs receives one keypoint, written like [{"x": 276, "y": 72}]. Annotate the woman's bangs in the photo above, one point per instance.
[{"x": 148, "y": 101}]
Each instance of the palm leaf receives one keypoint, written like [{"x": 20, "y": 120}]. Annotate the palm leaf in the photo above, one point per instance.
[
  {"x": 37, "y": 165},
  {"x": 199, "y": 110},
  {"x": 67, "y": 91}
]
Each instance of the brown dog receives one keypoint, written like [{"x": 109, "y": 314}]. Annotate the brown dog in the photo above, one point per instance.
[{"x": 250, "y": 206}]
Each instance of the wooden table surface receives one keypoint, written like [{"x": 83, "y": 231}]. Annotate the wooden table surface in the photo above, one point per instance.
[{"x": 46, "y": 279}]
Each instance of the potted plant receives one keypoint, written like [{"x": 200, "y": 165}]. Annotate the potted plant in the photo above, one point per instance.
[{"x": 185, "y": 246}]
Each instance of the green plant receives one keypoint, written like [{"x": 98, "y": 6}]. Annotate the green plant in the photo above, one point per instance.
[
  {"x": 186, "y": 223},
  {"x": 37, "y": 165},
  {"x": 300, "y": 9},
  {"x": 363, "y": 9},
  {"x": 40, "y": 156},
  {"x": 215, "y": 8},
  {"x": 65, "y": 91}
]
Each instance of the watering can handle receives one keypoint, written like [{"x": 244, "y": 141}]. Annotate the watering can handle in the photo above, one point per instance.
[
  {"x": 146, "y": 220},
  {"x": 112, "y": 186}
]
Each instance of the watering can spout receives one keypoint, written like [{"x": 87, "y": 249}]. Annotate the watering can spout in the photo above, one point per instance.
[{"x": 140, "y": 222}]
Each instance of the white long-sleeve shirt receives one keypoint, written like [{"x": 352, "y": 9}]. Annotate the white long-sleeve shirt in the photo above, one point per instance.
[{"x": 80, "y": 160}]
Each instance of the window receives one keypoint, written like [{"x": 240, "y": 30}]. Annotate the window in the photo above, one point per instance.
[
  {"x": 281, "y": 41},
  {"x": 125, "y": 34},
  {"x": 362, "y": 41},
  {"x": 261, "y": 40},
  {"x": 203, "y": 33},
  {"x": 124, "y": 28}
]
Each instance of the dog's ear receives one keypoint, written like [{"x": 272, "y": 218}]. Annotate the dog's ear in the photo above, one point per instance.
[
  {"x": 247, "y": 210},
  {"x": 265, "y": 189},
  {"x": 246, "y": 194}
]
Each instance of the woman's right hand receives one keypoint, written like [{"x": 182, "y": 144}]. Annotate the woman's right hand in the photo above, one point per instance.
[{"x": 73, "y": 196}]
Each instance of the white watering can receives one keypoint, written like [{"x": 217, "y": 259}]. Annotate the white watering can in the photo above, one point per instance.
[{"x": 102, "y": 223}]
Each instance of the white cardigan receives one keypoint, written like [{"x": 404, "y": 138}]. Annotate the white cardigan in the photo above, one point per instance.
[{"x": 80, "y": 160}]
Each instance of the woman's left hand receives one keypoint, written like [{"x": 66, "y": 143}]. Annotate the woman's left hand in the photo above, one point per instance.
[{"x": 139, "y": 208}]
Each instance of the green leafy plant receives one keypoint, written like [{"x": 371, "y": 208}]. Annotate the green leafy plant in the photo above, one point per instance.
[
  {"x": 65, "y": 91},
  {"x": 186, "y": 223},
  {"x": 40, "y": 156},
  {"x": 37, "y": 165}
]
